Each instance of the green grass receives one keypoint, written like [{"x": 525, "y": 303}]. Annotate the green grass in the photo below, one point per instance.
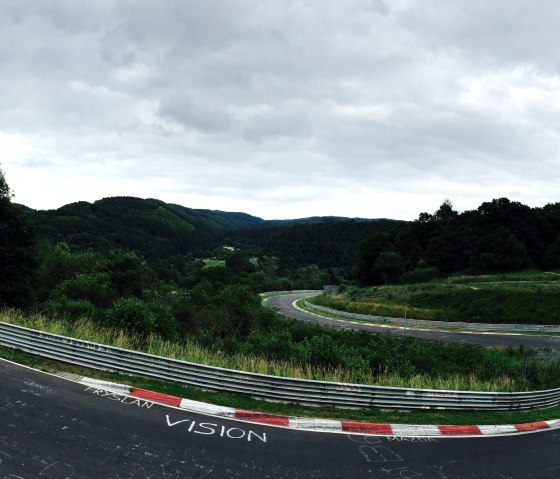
[
  {"x": 531, "y": 275},
  {"x": 212, "y": 262},
  {"x": 188, "y": 350},
  {"x": 517, "y": 298},
  {"x": 301, "y": 304},
  {"x": 245, "y": 402}
]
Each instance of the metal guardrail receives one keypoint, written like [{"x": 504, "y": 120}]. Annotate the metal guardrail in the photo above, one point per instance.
[
  {"x": 549, "y": 328},
  {"x": 272, "y": 388},
  {"x": 297, "y": 291}
]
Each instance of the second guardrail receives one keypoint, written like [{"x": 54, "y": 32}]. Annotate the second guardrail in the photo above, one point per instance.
[{"x": 549, "y": 328}]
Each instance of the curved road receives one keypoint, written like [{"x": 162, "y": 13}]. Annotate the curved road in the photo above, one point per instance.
[
  {"x": 52, "y": 428},
  {"x": 284, "y": 304}
]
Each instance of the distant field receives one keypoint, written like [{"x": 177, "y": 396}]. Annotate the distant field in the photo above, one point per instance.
[
  {"x": 211, "y": 263},
  {"x": 529, "y": 297}
]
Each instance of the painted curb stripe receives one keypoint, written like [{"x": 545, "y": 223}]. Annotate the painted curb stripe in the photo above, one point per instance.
[
  {"x": 460, "y": 431},
  {"x": 157, "y": 397},
  {"x": 205, "y": 408},
  {"x": 253, "y": 416},
  {"x": 494, "y": 430},
  {"x": 416, "y": 430},
  {"x": 315, "y": 424},
  {"x": 367, "y": 428},
  {"x": 532, "y": 426},
  {"x": 311, "y": 424}
]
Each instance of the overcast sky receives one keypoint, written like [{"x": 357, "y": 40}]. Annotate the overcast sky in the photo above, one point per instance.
[{"x": 282, "y": 109}]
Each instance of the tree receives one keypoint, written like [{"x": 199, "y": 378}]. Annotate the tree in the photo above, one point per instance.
[
  {"x": 551, "y": 257},
  {"x": 499, "y": 250},
  {"x": 129, "y": 274},
  {"x": 5, "y": 193},
  {"x": 445, "y": 213},
  {"x": 390, "y": 265},
  {"x": 17, "y": 252}
]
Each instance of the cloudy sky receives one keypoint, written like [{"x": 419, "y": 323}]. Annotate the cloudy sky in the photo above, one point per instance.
[{"x": 281, "y": 108}]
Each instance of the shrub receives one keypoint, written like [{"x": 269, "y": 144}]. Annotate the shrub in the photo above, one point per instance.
[
  {"x": 132, "y": 314},
  {"x": 421, "y": 275},
  {"x": 94, "y": 287}
]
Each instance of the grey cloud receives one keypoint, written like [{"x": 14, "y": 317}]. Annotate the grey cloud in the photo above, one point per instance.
[
  {"x": 38, "y": 163},
  {"x": 190, "y": 112},
  {"x": 362, "y": 94},
  {"x": 516, "y": 32}
]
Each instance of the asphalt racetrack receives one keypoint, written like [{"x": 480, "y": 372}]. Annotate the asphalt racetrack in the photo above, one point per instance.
[
  {"x": 284, "y": 304},
  {"x": 53, "y": 428}
]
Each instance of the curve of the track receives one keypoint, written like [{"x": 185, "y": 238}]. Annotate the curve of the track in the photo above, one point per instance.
[
  {"x": 52, "y": 428},
  {"x": 284, "y": 304}
]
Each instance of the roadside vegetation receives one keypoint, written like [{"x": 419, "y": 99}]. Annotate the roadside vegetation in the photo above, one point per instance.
[
  {"x": 527, "y": 297},
  {"x": 293, "y": 349}
]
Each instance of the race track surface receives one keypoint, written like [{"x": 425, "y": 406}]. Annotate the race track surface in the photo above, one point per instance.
[
  {"x": 52, "y": 428},
  {"x": 284, "y": 304}
]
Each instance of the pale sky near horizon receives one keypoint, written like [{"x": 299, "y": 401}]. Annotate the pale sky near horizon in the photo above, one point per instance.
[{"x": 282, "y": 108}]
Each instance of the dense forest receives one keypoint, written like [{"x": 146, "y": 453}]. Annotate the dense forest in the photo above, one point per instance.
[
  {"x": 499, "y": 236},
  {"x": 172, "y": 237}
]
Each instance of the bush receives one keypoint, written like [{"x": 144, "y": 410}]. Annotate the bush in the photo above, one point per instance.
[
  {"x": 165, "y": 324},
  {"x": 94, "y": 287},
  {"x": 420, "y": 275},
  {"x": 132, "y": 314}
]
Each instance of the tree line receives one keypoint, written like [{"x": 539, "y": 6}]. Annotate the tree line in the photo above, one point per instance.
[{"x": 499, "y": 236}]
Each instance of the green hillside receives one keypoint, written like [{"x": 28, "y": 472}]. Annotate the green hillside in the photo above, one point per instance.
[
  {"x": 327, "y": 243},
  {"x": 147, "y": 226},
  {"x": 159, "y": 231}
]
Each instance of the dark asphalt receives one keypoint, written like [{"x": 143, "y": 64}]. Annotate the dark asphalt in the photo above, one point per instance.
[
  {"x": 51, "y": 428},
  {"x": 284, "y": 305}
]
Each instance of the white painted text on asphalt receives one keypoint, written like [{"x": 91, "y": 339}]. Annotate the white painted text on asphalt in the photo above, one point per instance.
[{"x": 209, "y": 429}]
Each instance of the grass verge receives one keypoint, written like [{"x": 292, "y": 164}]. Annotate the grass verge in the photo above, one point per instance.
[
  {"x": 245, "y": 402},
  {"x": 301, "y": 304},
  {"x": 516, "y": 302}
]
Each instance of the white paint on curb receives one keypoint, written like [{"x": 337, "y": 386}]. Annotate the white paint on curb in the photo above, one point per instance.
[
  {"x": 497, "y": 430},
  {"x": 554, "y": 423},
  {"x": 205, "y": 408},
  {"x": 415, "y": 430},
  {"x": 315, "y": 424},
  {"x": 122, "y": 389}
]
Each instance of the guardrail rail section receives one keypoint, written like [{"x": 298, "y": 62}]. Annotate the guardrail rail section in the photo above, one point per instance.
[
  {"x": 548, "y": 328},
  {"x": 272, "y": 388}
]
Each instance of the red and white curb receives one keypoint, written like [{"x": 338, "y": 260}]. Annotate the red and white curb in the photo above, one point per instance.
[{"x": 319, "y": 425}]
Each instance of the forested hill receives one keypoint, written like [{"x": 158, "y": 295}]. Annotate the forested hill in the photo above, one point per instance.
[
  {"x": 330, "y": 242},
  {"x": 159, "y": 230},
  {"x": 150, "y": 227}
]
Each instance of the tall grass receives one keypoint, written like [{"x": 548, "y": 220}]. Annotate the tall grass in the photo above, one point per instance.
[{"x": 189, "y": 350}]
